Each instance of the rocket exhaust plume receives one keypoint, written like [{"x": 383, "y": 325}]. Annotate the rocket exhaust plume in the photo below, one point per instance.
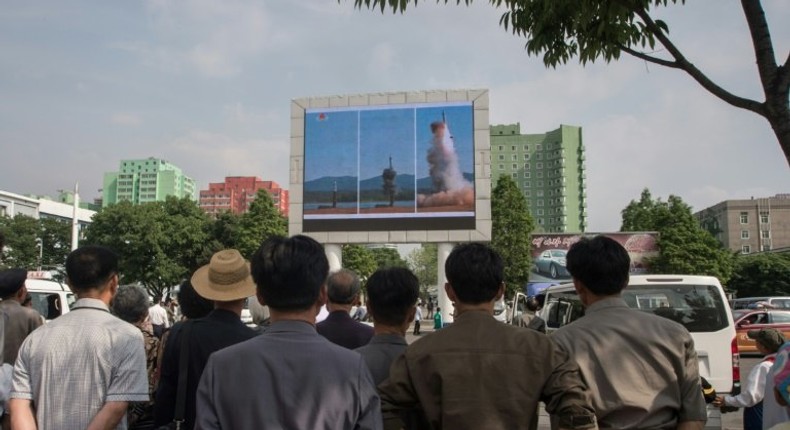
[{"x": 449, "y": 186}]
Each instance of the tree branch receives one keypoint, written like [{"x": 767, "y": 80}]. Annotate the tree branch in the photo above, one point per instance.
[
  {"x": 696, "y": 73},
  {"x": 763, "y": 46},
  {"x": 650, "y": 58}
]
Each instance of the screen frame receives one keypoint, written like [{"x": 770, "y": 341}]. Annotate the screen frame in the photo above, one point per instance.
[{"x": 404, "y": 230}]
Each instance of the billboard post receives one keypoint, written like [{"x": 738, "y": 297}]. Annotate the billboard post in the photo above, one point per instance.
[{"x": 444, "y": 302}]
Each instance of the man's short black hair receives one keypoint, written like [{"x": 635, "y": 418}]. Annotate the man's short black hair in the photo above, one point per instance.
[
  {"x": 130, "y": 304},
  {"x": 289, "y": 272},
  {"x": 475, "y": 271},
  {"x": 600, "y": 263},
  {"x": 392, "y": 293},
  {"x": 90, "y": 267},
  {"x": 192, "y": 305},
  {"x": 342, "y": 287}
]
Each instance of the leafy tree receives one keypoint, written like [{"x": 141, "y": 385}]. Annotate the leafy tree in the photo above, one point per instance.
[
  {"x": 387, "y": 257},
  {"x": 605, "y": 29},
  {"x": 511, "y": 231},
  {"x": 260, "y": 222},
  {"x": 765, "y": 274},
  {"x": 685, "y": 247},
  {"x": 360, "y": 260},
  {"x": 159, "y": 243},
  {"x": 423, "y": 261},
  {"x": 24, "y": 233}
]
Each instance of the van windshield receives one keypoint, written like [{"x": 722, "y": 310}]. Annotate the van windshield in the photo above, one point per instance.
[{"x": 699, "y": 308}]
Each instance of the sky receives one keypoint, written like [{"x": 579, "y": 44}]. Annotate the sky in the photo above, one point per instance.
[{"x": 207, "y": 84}]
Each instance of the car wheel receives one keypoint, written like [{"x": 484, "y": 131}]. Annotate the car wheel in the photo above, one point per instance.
[{"x": 553, "y": 271}]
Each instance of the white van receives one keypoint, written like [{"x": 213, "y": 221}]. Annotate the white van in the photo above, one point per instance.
[
  {"x": 50, "y": 298},
  {"x": 697, "y": 302}
]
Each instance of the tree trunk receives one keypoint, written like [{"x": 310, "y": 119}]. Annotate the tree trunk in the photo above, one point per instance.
[{"x": 780, "y": 123}]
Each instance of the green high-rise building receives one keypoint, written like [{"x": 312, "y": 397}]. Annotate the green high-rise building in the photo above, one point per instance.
[
  {"x": 549, "y": 170},
  {"x": 146, "y": 180}
]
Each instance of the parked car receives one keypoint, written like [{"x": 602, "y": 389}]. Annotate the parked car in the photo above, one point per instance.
[
  {"x": 746, "y": 320},
  {"x": 696, "y": 302},
  {"x": 552, "y": 262},
  {"x": 51, "y": 299},
  {"x": 761, "y": 302}
]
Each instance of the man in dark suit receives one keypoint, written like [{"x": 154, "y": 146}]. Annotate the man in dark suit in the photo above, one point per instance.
[
  {"x": 20, "y": 321},
  {"x": 227, "y": 281},
  {"x": 339, "y": 327}
]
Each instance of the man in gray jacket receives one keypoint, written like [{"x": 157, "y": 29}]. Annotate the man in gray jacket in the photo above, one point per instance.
[{"x": 289, "y": 377}]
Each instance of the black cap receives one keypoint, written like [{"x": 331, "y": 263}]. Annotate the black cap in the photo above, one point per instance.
[{"x": 11, "y": 281}]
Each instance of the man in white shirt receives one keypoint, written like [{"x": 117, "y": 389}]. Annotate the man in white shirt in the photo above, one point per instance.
[
  {"x": 752, "y": 396},
  {"x": 158, "y": 316},
  {"x": 417, "y": 318}
]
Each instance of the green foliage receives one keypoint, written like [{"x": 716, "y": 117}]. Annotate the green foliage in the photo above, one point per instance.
[
  {"x": 22, "y": 235},
  {"x": 259, "y": 223},
  {"x": 159, "y": 243},
  {"x": 511, "y": 231},
  {"x": 761, "y": 275},
  {"x": 360, "y": 260},
  {"x": 686, "y": 248},
  {"x": 423, "y": 261},
  {"x": 387, "y": 257}
]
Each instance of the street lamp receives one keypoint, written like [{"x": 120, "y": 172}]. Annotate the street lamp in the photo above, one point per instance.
[{"x": 40, "y": 246}]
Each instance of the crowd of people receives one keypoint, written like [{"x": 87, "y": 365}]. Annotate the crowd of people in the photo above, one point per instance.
[{"x": 114, "y": 363}]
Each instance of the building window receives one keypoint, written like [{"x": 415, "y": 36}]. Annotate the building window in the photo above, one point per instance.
[
  {"x": 527, "y": 193},
  {"x": 763, "y": 217},
  {"x": 765, "y": 234},
  {"x": 540, "y": 202},
  {"x": 540, "y": 221},
  {"x": 513, "y": 148},
  {"x": 526, "y": 175},
  {"x": 746, "y": 249},
  {"x": 526, "y": 156},
  {"x": 744, "y": 217},
  {"x": 766, "y": 247},
  {"x": 540, "y": 212},
  {"x": 540, "y": 193},
  {"x": 501, "y": 157},
  {"x": 538, "y": 165},
  {"x": 501, "y": 167},
  {"x": 540, "y": 183},
  {"x": 501, "y": 148},
  {"x": 540, "y": 174},
  {"x": 515, "y": 175},
  {"x": 526, "y": 166},
  {"x": 515, "y": 166},
  {"x": 744, "y": 234},
  {"x": 514, "y": 157},
  {"x": 539, "y": 155},
  {"x": 527, "y": 184},
  {"x": 539, "y": 147}
]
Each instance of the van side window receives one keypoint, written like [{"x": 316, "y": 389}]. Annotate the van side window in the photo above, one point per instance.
[
  {"x": 47, "y": 304},
  {"x": 780, "y": 317}
]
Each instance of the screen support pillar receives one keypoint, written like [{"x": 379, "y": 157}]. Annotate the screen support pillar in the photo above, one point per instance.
[
  {"x": 334, "y": 253},
  {"x": 444, "y": 302}
]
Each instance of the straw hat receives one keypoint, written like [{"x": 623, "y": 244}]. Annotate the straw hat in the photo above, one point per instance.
[{"x": 225, "y": 279}]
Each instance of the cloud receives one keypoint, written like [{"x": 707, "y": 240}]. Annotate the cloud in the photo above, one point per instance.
[
  {"x": 127, "y": 119},
  {"x": 239, "y": 113},
  {"x": 209, "y": 156},
  {"x": 215, "y": 38}
]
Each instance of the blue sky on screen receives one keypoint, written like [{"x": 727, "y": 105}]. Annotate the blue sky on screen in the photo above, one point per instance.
[
  {"x": 384, "y": 133},
  {"x": 330, "y": 144}
]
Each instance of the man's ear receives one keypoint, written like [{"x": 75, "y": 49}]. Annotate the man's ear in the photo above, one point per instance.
[
  {"x": 260, "y": 298},
  {"x": 322, "y": 296},
  {"x": 22, "y": 293},
  {"x": 500, "y": 292},
  {"x": 450, "y": 292},
  {"x": 412, "y": 312}
]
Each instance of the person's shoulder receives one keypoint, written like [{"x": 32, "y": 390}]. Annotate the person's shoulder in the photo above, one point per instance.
[{"x": 30, "y": 314}]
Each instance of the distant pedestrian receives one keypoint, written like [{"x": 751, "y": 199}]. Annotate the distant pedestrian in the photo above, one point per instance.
[
  {"x": 417, "y": 318},
  {"x": 430, "y": 308},
  {"x": 81, "y": 370},
  {"x": 20, "y": 321},
  {"x": 343, "y": 289},
  {"x": 159, "y": 317},
  {"x": 613, "y": 354},
  {"x": 392, "y": 293},
  {"x": 479, "y": 373},
  {"x": 292, "y": 377},
  {"x": 437, "y": 319},
  {"x": 225, "y": 280},
  {"x": 754, "y": 397},
  {"x": 131, "y": 305}
]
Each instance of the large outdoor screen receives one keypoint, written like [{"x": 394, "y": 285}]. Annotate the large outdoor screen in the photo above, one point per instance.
[{"x": 389, "y": 167}]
